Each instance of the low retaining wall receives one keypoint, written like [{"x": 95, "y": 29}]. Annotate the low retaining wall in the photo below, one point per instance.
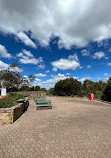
[
  {"x": 10, "y": 115},
  {"x": 33, "y": 94}
]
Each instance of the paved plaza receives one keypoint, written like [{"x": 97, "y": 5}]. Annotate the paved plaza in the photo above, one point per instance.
[{"x": 74, "y": 128}]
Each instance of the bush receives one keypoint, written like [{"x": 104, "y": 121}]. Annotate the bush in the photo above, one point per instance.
[
  {"x": 107, "y": 91},
  {"x": 51, "y": 91},
  {"x": 10, "y": 100},
  {"x": 98, "y": 94},
  {"x": 68, "y": 87}
]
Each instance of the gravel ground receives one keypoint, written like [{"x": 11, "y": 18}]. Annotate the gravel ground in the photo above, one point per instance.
[{"x": 74, "y": 128}]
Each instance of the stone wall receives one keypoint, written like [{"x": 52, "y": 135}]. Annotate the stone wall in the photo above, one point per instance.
[
  {"x": 9, "y": 115},
  {"x": 33, "y": 94}
]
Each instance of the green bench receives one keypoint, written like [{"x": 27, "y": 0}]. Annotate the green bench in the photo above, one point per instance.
[
  {"x": 39, "y": 99},
  {"x": 43, "y": 101},
  {"x": 43, "y": 106}
]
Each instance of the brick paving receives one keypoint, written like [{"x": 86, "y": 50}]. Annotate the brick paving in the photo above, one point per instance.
[{"x": 74, "y": 128}]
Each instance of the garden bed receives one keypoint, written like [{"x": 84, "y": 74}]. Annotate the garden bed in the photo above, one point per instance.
[
  {"x": 10, "y": 100},
  {"x": 10, "y": 115}
]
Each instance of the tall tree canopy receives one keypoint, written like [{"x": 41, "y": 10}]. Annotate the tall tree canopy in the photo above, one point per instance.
[
  {"x": 69, "y": 86},
  {"x": 11, "y": 77},
  {"x": 13, "y": 81}
]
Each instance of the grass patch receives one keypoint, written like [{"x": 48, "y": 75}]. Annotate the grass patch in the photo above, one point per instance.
[{"x": 10, "y": 100}]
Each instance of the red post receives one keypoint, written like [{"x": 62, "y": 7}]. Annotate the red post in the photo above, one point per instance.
[
  {"x": 91, "y": 96},
  {"x": 2, "y": 96}
]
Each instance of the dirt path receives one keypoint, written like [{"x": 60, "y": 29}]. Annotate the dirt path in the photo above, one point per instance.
[{"x": 74, "y": 128}]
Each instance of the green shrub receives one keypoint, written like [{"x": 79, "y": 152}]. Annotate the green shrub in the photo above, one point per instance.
[
  {"x": 98, "y": 94},
  {"x": 10, "y": 100},
  {"x": 68, "y": 87}
]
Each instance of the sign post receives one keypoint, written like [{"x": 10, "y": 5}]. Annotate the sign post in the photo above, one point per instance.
[{"x": 3, "y": 92}]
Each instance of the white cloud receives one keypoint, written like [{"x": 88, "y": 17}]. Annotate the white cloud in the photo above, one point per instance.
[
  {"x": 54, "y": 69},
  {"x": 41, "y": 63},
  {"x": 27, "y": 41},
  {"x": 40, "y": 75},
  {"x": 105, "y": 74},
  {"x": 89, "y": 66},
  {"x": 75, "y": 22},
  {"x": 73, "y": 57},
  {"x": 37, "y": 84},
  {"x": 85, "y": 78},
  {"x": 109, "y": 64},
  {"x": 41, "y": 66},
  {"x": 37, "y": 79},
  {"x": 98, "y": 55},
  {"x": 25, "y": 52},
  {"x": 26, "y": 60},
  {"x": 55, "y": 79},
  {"x": 4, "y": 53},
  {"x": 65, "y": 64},
  {"x": 20, "y": 54},
  {"x": 28, "y": 53},
  {"x": 4, "y": 66},
  {"x": 106, "y": 58},
  {"x": 75, "y": 77},
  {"x": 107, "y": 78},
  {"x": 67, "y": 74},
  {"x": 47, "y": 71},
  {"x": 85, "y": 52},
  {"x": 26, "y": 57}
]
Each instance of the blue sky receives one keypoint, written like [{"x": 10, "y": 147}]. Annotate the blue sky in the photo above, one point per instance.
[{"x": 48, "y": 41}]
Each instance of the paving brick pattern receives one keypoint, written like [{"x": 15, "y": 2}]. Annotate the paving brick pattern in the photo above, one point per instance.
[{"x": 74, "y": 128}]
